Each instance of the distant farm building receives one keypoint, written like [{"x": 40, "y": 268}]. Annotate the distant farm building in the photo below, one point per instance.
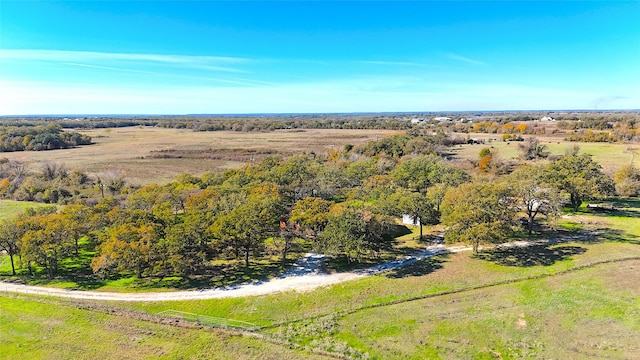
[
  {"x": 547, "y": 118},
  {"x": 442, "y": 118}
]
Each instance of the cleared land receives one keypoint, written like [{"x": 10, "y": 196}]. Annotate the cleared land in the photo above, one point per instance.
[
  {"x": 148, "y": 154},
  {"x": 10, "y": 208},
  {"x": 611, "y": 156}
]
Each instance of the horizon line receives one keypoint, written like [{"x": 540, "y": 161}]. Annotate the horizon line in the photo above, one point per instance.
[{"x": 318, "y": 113}]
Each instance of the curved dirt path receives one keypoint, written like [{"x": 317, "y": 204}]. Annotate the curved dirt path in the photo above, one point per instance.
[{"x": 304, "y": 275}]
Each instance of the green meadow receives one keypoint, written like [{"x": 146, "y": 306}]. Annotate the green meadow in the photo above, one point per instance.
[
  {"x": 10, "y": 208},
  {"x": 611, "y": 156}
]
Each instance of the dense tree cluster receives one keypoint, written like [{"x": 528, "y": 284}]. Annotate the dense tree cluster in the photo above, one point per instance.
[
  {"x": 413, "y": 142},
  {"x": 40, "y": 137},
  {"x": 340, "y": 202},
  {"x": 627, "y": 181},
  {"x": 53, "y": 183}
]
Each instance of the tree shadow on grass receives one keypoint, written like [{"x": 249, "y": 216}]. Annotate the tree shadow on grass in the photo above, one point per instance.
[
  {"x": 535, "y": 255},
  {"x": 222, "y": 275},
  {"x": 89, "y": 282},
  {"x": 227, "y": 274},
  {"x": 625, "y": 202},
  {"x": 341, "y": 263},
  {"x": 239, "y": 274},
  {"x": 622, "y": 212},
  {"x": 418, "y": 268},
  {"x": 399, "y": 230},
  {"x": 616, "y": 235}
]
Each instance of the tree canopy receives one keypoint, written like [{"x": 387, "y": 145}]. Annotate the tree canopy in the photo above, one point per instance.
[
  {"x": 580, "y": 177},
  {"x": 478, "y": 213}
]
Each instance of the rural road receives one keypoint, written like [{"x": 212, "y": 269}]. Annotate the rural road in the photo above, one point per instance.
[{"x": 304, "y": 275}]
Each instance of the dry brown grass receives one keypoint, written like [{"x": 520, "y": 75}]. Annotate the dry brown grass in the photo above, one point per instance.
[{"x": 135, "y": 150}]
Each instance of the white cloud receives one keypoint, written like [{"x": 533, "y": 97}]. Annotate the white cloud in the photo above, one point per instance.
[
  {"x": 111, "y": 68},
  {"x": 214, "y": 63},
  {"x": 225, "y": 80},
  {"x": 392, "y": 63},
  {"x": 464, "y": 59}
]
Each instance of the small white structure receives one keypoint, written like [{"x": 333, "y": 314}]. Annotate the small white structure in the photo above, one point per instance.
[
  {"x": 547, "y": 118},
  {"x": 442, "y": 118},
  {"x": 410, "y": 220}
]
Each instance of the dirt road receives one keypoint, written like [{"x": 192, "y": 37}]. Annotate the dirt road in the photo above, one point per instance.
[{"x": 304, "y": 275}]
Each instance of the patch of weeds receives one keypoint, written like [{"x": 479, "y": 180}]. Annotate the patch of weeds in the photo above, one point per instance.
[
  {"x": 317, "y": 335},
  {"x": 570, "y": 226},
  {"x": 321, "y": 326},
  {"x": 518, "y": 350},
  {"x": 334, "y": 346}
]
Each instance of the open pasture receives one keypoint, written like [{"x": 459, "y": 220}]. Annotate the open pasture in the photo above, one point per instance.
[
  {"x": 34, "y": 329},
  {"x": 611, "y": 156},
  {"x": 438, "y": 308},
  {"x": 148, "y": 154},
  {"x": 10, "y": 208}
]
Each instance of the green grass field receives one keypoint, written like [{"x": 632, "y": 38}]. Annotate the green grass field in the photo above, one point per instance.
[
  {"x": 611, "y": 156},
  {"x": 10, "y": 208},
  {"x": 32, "y": 329},
  {"x": 591, "y": 313},
  {"x": 587, "y": 313}
]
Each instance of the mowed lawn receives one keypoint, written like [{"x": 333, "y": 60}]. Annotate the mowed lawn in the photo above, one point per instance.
[{"x": 137, "y": 152}]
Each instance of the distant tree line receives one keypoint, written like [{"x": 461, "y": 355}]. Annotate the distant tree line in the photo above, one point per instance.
[{"x": 604, "y": 126}]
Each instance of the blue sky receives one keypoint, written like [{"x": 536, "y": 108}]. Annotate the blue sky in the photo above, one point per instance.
[{"x": 146, "y": 57}]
